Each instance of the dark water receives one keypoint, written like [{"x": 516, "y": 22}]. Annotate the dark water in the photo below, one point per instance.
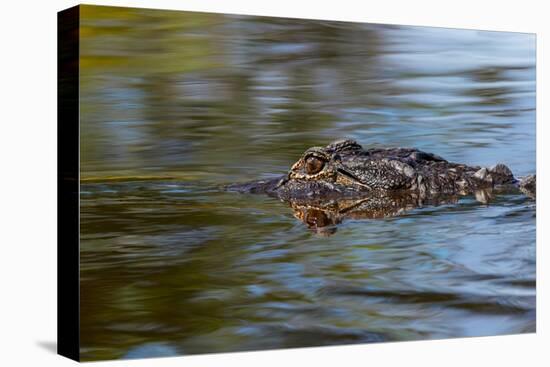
[{"x": 174, "y": 105}]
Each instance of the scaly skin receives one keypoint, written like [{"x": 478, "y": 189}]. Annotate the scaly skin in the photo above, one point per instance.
[
  {"x": 344, "y": 180},
  {"x": 344, "y": 169}
]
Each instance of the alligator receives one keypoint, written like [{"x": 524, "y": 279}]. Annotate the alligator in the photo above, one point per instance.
[{"x": 380, "y": 182}]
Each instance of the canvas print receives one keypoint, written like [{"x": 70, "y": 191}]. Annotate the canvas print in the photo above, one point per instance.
[{"x": 256, "y": 183}]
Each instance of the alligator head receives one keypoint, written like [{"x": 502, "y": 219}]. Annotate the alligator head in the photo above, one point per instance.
[
  {"x": 334, "y": 170},
  {"x": 342, "y": 169}
]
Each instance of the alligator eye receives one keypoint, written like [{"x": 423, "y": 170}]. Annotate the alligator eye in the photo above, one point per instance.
[{"x": 314, "y": 165}]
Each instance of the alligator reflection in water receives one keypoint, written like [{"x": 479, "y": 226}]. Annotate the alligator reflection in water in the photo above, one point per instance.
[{"x": 323, "y": 216}]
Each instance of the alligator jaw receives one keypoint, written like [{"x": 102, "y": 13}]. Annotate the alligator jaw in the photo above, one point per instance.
[{"x": 268, "y": 186}]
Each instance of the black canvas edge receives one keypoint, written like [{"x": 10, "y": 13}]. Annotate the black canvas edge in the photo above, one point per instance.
[{"x": 68, "y": 185}]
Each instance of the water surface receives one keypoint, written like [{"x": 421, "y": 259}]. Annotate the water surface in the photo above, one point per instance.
[{"x": 174, "y": 105}]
